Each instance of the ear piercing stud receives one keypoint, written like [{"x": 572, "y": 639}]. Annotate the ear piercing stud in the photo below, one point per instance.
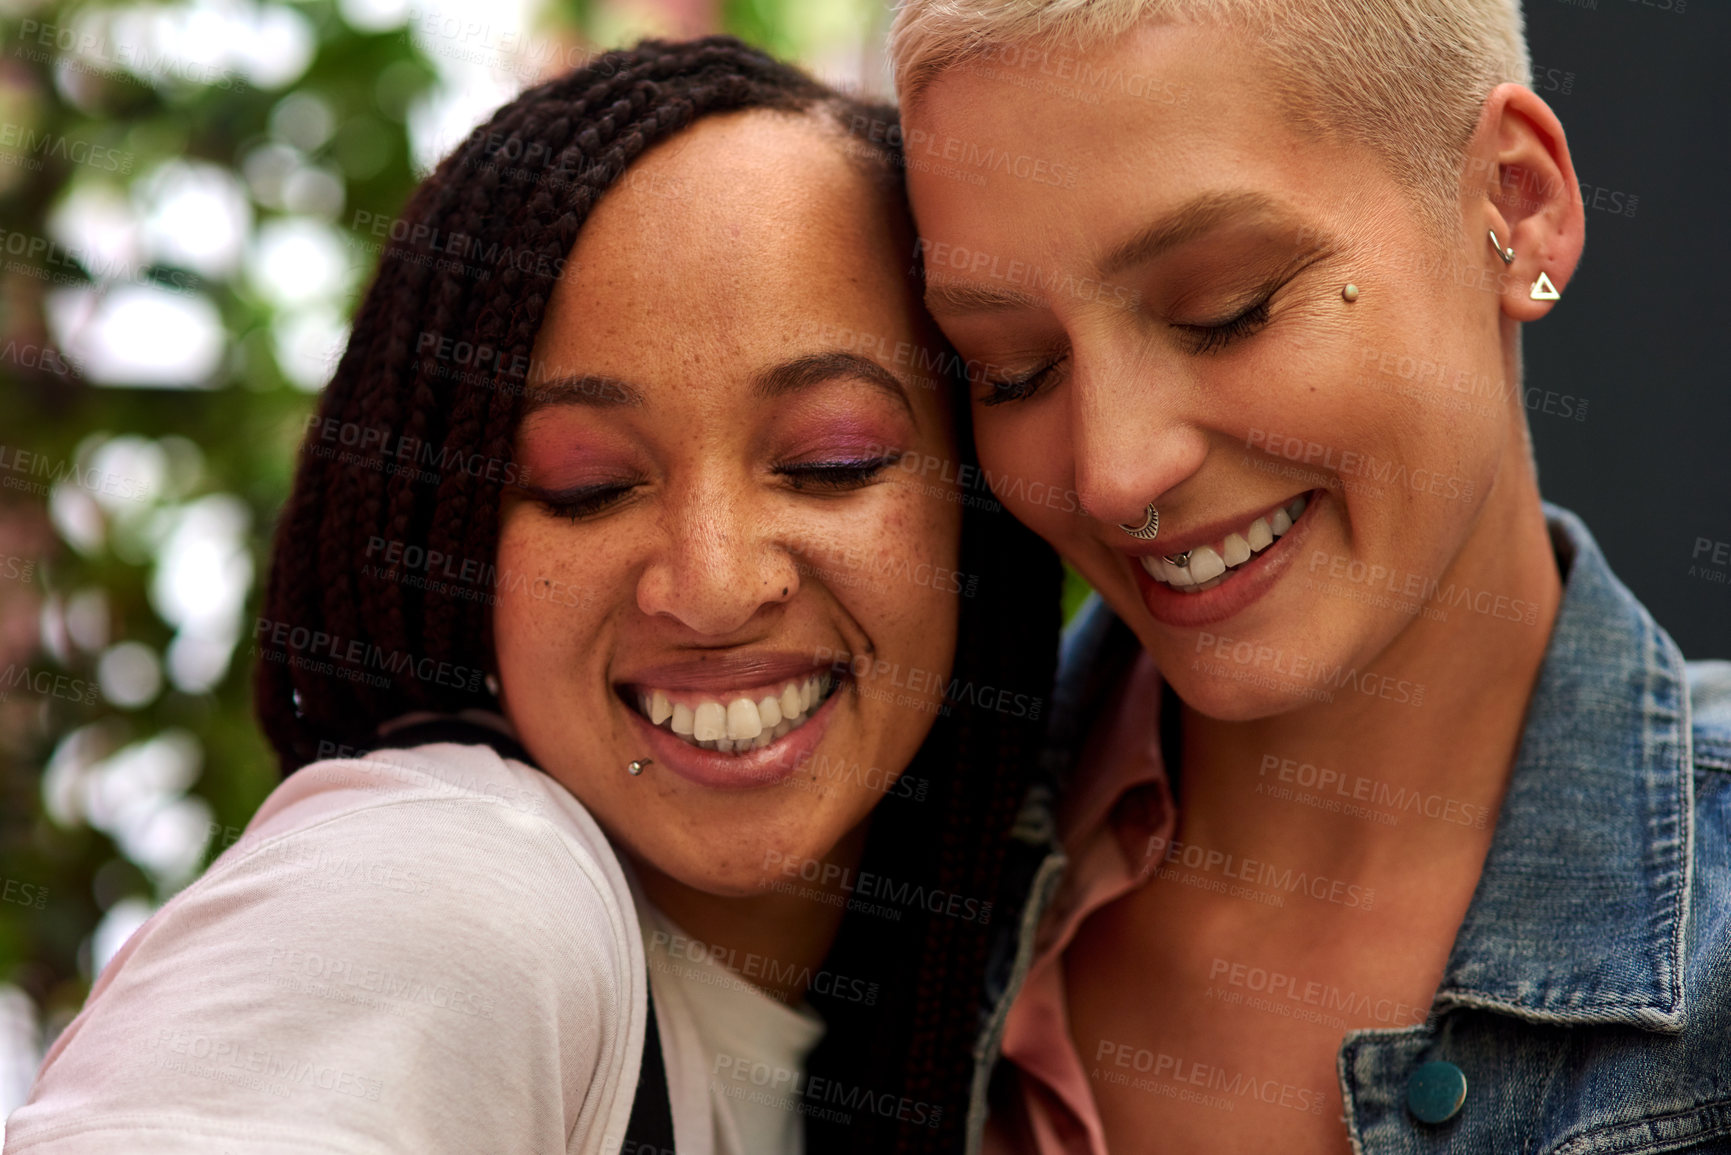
[{"x": 1508, "y": 255}]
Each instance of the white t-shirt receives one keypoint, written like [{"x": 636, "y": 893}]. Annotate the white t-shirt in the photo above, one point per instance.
[
  {"x": 422, "y": 951},
  {"x": 755, "y": 1047}
]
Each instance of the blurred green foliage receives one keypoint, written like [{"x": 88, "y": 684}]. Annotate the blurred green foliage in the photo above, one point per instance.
[{"x": 86, "y": 111}]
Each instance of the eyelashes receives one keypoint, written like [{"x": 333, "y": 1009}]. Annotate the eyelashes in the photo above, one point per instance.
[
  {"x": 827, "y": 477},
  {"x": 838, "y": 476},
  {"x": 1212, "y": 338},
  {"x": 1202, "y": 340},
  {"x": 584, "y": 501}
]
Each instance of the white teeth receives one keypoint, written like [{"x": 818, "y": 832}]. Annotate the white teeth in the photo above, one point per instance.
[
  {"x": 740, "y": 724},
  {"x": 711, "y": 722},
  {"x": 683, "y": 721},
  {"x": 1205, "y": 565},
  {"x": 1208, "y": 565},
  {"x": 743, "y": 722}
]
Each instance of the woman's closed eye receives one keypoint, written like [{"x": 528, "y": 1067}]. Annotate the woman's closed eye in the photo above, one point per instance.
[
  {"x": 582, "y": 501},
  {"x": 1213, "y": 337},
  {"x": 1000, "y": 391},
  {"x": 837, "y": 476}
]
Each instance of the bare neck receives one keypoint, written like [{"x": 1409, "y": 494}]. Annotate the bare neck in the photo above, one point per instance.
[{"x": 775, "y": 940}]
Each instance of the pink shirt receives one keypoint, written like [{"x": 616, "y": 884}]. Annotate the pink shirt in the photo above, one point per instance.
[{"x": 1120, "y": 799}]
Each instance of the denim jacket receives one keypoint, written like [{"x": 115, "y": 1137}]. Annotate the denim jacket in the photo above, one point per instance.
[{"x": 1587, "y": 999}]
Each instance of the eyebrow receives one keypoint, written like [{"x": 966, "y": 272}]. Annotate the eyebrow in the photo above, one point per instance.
[
  {"x": 1195, "y": 218},
  {"x": 1200, "y": 215},
  {"x": 817, "y": 368},
  {"x": 590, "y": 389}
]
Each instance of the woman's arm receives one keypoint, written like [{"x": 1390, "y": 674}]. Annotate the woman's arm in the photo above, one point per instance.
[{"x": 420, "y": 974}]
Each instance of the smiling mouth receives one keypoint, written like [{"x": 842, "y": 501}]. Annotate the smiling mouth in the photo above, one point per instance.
[
  {"x": 733, "y": 723},
  {"x": 1207, "y": 566}
]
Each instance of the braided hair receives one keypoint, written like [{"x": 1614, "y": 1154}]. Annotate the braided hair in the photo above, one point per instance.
[{"x": 408, "y": 453}]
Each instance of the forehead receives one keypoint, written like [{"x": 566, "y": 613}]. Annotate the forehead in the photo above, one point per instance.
[
  {"x": 1133, "y": 127},
  {"x": 748, "y": 230}
]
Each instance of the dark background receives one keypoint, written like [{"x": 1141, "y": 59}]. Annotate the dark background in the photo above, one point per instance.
[{"x": 1644, "y": 331}]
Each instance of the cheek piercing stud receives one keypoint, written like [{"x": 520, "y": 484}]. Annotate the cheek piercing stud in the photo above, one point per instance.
[
  {"x": 1350, "y": 293},
  {"x": 637, "y": 767}
]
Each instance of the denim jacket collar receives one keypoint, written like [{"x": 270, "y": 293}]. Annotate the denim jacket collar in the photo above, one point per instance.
[{"x": 1580, "y": 912}]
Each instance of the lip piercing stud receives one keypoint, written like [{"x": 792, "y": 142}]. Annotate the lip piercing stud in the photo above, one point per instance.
[
  {"x": 1508, "y": 255},
  {"x": 637, "y": 767},
  {"x": 1350, "y": 293},
  {"x": 1150, "y": 527},
  {"x": 1178, "y": 558}
]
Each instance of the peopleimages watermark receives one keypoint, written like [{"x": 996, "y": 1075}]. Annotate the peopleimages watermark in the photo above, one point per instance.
[
  {"x": 1717, "y": 553},
  {"x": 37, "y": 473},
  {"x": 814, "y": 772},
  {"x": 1479, "y": 393},
  {"x": 38, "y": 146},
  {"x": 1220, "y": 1086},
  {"x": 432, "y": 775},
  {"x": 920, "y": 149},
  {"x": 46, "y": 683},
  {"x": 381, "y": 448},
  {"x": 1304, "y": 675},
  {"x": 462, "y": 578},
  {"x": 1257, "y": 872},
  {"x": 1350, "y": 463},
  {"x": 1043, "y": 282},
  {"x": 82, "y": 49},
  {"x": 733, "y": 965},
  {"x": 462, "y": 251},
  {"x": 30, "y": 894},
  {"x": 355, "y": 659},
  {"x": 850, "y": 566},
  {"x": 1422, "y": 594},
  {"x": 28, "y": 355},
  {"x": 1341, "y": 791},
  {"x": 840, "y": 885},
  {"x": 753, "y": 1080},
  {"x": 1289, "y": 996},
  {"x": 926, "y": 687},
  {"x": 320, "y": 868},
  {"x": 230, "y": 1060},
  {"x": 341, "y": 979}
]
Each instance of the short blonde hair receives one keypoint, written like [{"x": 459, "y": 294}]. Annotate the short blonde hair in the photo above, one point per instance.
[{"x": 1405, "y": 78}]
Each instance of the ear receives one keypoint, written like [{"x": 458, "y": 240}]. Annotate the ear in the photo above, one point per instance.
[{"x": 1520, "y": 182}]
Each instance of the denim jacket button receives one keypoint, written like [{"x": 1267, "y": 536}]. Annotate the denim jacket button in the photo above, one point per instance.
[{"x": 1436, "y": 1091}]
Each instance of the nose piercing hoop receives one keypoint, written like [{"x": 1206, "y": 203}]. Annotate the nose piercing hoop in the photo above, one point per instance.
[{"x": 1150, "y": 527}]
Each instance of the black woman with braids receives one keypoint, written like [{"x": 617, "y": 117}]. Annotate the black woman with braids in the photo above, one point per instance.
[{"x": 650, "y": 780}]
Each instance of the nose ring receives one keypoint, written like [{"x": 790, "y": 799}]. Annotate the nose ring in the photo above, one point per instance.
[{"x": 1150, "y": 527}]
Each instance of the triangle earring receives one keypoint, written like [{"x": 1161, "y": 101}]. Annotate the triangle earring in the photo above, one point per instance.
[{"x": 1543, "y": 290}]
